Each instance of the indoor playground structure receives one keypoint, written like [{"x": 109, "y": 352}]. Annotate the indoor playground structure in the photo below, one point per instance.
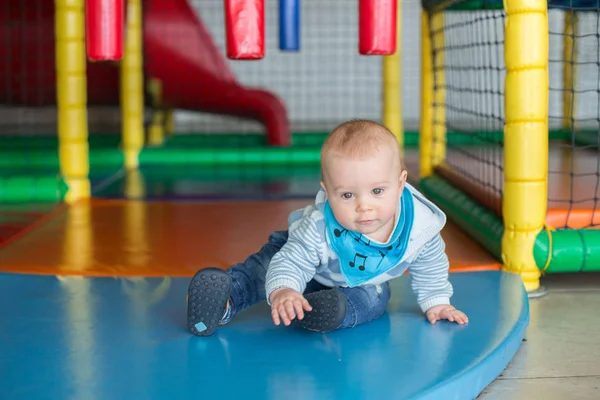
[
  {"x": 142, "y": 140},
  {"x": 526, "y": 186}
]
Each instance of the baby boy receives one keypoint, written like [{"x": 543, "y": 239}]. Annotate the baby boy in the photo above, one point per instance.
[{"x": 330, "y": 269}]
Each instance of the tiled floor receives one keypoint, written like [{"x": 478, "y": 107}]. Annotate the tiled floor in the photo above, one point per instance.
[{"x": 561, "y": 357}]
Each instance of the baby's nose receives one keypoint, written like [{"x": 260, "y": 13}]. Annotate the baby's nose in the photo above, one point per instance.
[{"x": 363, "y": 207}]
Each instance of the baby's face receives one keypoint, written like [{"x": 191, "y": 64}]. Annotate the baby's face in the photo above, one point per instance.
[{"x": 364, "y": 193}]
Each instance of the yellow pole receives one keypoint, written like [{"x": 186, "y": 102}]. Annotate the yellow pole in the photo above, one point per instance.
[
  {"x": 71, "y": 97},
  {"x": 132, "y": 86},
  {"x": 438, "y": 154},
  {"x": 392, "y": 86},
  {"x": 432, "y": 139},
  {"x": 525, "y": 135},
  {"x": 569, "y": 69},
  {"x": 426, "y": 123},
  {"x": 156, "y": 130},
  {"x": 169, "y": 122}
]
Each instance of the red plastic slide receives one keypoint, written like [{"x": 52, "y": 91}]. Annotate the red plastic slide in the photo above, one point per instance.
[{"x": 178, "y": 50}]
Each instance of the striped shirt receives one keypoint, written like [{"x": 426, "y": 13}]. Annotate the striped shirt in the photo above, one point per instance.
[{"x": 307, "y": 254}]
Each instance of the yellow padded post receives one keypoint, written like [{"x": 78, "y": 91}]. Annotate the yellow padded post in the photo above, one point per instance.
[
  {"x": 169, "y": 122},
  {"x": 392, "y": 86},
  {"x": 72, "y": 98},
  {"x": 132, "y": 86},
  {"x": 426, "y": 127},
  {"x": 156, "y": 130},
  {"x": 438, "y": 152},
  {"x": 525, "y": 135},
  {"x": 432, "y": 138}
]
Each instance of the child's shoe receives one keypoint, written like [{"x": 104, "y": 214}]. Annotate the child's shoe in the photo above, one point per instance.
[
  {"x": 207, "y": 300},
  {"x": 329, "y": 308}
]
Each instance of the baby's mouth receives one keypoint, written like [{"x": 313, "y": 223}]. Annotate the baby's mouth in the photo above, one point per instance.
[{"x": 365, "y": 221}]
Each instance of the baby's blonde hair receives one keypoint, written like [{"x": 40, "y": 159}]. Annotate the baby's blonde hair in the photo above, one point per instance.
[{"x": 359, "y": 138}]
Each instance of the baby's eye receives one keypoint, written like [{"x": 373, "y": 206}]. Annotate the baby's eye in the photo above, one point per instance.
[
  {"x": 347, "y": 195},
  {"x": 377, "y": 191}
]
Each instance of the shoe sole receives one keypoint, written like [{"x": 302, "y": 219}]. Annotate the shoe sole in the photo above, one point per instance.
[
  {"x": 329, "y": 308},
  {"x": 207, "y": 297}
]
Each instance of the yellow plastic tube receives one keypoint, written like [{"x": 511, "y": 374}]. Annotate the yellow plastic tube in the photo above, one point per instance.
[
  {"x": 132, "y": 86},
  {"x": 432, "y": 139},
  {"x": 525, "y": 135},
  {"x": 72, "y": 98},
  {"x": 392, "y": 86},
  {"x": 426, "y": 125}
]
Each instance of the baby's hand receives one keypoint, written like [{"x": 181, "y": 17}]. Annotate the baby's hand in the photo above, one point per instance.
[
  {"x": 446, "y": 311},
  {"x": 287, "y": 304}
]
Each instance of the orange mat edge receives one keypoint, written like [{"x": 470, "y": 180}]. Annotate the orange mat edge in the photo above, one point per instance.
[{"x": 476, "y": 268}]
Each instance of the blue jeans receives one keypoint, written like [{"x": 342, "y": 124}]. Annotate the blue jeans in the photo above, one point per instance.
[{"x": 365, "y": 303}]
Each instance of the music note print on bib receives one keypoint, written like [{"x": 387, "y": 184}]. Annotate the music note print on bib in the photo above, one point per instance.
[
  {"x": 338, "y": 233},
  {"x": 358, "y": 239},
  {"x": 361, "y": 267}
]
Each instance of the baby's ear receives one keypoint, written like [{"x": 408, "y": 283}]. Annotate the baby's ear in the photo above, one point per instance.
[
  {"x": 402, "y": 179},
  {"x": 323, "y": 186}
]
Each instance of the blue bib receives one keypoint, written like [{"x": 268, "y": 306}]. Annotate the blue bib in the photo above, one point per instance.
[{"x": 361, "y": 259}]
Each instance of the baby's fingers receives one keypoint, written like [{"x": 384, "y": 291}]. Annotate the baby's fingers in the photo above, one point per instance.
[
  {"x": 275, "y": 316},
  {"x": 298, "y": 309},
  {"x": 461, "y": 317},
  {"x": 432, "y": 317},
  {"x": 306, "y": 304},
  {"x": 283, "y": 314},
  {"x": 289, "y": 310}
]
